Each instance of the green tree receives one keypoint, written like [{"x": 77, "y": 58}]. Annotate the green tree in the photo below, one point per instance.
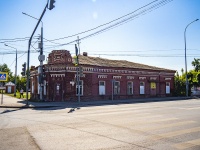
[
  {"x": 198, "y": 78},
  {"x": 193, "y": 79},
  {"x": 22, "y": 83},
  {"x": 196, "y": 64},
  {"x": 179, "y": 85}
]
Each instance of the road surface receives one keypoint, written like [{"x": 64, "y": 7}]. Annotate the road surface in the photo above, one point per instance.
[{"x": 169, "y": 125}]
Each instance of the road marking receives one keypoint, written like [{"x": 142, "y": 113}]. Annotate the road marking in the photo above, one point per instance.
[
  {"x": 175, "y": 133},
  {"x": 188, "y": 144},
  {"x": 168, "y": 125}
]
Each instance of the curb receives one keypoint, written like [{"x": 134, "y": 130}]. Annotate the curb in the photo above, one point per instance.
[
  {"x": 97, "y": 103},
  {"x": 28, "y": 107}
]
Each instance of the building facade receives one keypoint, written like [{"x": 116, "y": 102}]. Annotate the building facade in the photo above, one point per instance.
[{"x": 101, "y": 79}]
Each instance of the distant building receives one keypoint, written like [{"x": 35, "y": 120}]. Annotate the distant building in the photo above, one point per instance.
[
  {"x": 10, "y": 87},
  {"x": 129, "y": 80}
]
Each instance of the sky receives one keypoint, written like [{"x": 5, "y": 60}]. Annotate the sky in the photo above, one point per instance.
[{"x": 149, "y": 32}]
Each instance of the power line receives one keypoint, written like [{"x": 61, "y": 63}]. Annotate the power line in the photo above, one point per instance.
[
  {"x": 16, "y": 39},
  {"x": 148, "y": 55},
  {"x": 104, "y": 23},
  {"x": 150, "y": 50},
  {"x": 17, "y": 58},
  {"x": 143, "y": 12},
  {"x": 129, "y": 19},
  {"x": 13, "y": 52}
]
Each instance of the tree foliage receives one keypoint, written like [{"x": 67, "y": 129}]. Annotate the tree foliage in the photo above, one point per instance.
[
  {"x": 21, "y": 82},
  {"x": 179, "y": 85},
  {"x": 193, "y": 79},
  {"x": 196, "y": 64}
]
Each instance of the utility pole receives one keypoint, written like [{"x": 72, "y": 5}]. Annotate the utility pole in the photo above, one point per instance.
[
  {"x": 51, "y": 6},
  {"x": 78, "y": 42},
  {"x": 15, "y": 68},
  {"x": 77, "y": 73},
  {"x": 186, "y": 84},
  {"x": 41, "y": 59},
  {"x": 79, "y": 70}
]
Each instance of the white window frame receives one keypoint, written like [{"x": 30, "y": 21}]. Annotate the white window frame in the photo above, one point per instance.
[
  {"x": 142, "y": 88},
  {"x": 81, "y": 88},
  {"x": 32, "y": 90},
  {"x": 117, "y": 87},
  {"x": 167, "y": 87},
  {"x": 102, "y": 88},
  {"x": 130, "y": 88}
]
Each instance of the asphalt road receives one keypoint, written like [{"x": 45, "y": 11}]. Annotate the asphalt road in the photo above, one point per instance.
[{"x": 168, "y": 125}]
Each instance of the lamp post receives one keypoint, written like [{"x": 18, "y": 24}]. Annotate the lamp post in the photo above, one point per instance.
[
  {"x": 41, "y": 57},
  {"x": 15, "y": 68},
  {"x": 51, "y": 6},
  {"x": 186, "y": 56}
]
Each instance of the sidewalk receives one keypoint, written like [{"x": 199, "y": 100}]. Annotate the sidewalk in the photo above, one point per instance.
[{"x": 12, "y": 102}]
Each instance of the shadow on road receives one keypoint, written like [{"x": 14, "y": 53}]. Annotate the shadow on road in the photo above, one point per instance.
[
  {"x": 8, "y": 111},
  {"x": 74, "y": 106}
]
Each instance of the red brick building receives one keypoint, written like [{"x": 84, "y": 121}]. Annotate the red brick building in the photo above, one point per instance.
[{"x": 101, "y": 79}]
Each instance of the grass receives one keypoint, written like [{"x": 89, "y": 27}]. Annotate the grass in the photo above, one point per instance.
[{"x": 18, "y": 95}]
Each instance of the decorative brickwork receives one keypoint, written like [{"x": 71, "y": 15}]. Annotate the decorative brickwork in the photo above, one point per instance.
[{"x": 60, "y": 79}]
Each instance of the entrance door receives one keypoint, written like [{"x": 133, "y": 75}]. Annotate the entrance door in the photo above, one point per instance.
[
  {"x": 9, "y": 89},
  {"x": 58, "y": 92}
]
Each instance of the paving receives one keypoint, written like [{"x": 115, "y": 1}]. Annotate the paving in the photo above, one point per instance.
[
  {"x": 12, "y": 102},
  {"x": 167, "y": 124}
]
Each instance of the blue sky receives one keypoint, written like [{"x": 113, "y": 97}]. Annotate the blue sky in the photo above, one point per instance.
[{"x": 155, "y": 38}]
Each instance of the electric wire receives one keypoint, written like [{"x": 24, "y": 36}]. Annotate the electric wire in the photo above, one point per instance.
[
  {"x": 104, "y": 23},
  {"x": 16, "y": 39},
  {"x": 147, "y": 10},
  {"x": 143, "y": 12}
]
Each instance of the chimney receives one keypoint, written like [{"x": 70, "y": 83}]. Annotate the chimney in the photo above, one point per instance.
[{"x": 85, "y": 54}]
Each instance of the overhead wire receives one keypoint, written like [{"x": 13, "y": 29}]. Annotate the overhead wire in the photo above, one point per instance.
[
  {"x": 104, "y": 23},
  {"x": 128, "y": 19},
  {"x": 16, "y": 39},
  {"x": 143, "y": 12},
  {"x": 146, "y": 55}
]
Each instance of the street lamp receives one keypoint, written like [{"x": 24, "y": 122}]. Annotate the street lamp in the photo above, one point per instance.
[
  {"x": 41, "y": 57},
  {"x": 186, "y": 56},
  {"x": 15, "y": 68},
  {"x": 51, "y": 6}
]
